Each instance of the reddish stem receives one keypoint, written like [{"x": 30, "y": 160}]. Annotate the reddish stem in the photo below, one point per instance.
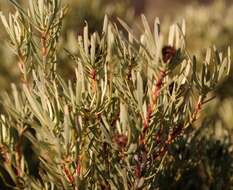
[
  {"x": 158, "y": 86},
  {"x": 68, "y": 175},
  {"x": 137, "y": 171},
  {"x": 177, "y": 131},
  {"x": 78, "y": 168},
  {"x": 150, "y": 107}
]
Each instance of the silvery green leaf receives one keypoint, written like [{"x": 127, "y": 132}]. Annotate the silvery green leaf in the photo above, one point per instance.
[
  {"x": 123, "y": 116},
  {"x": 86, "y": 39},
  {"x": 171, "y": 36},
  {"x": 105, "y": 25},
  {"x": 139, "y": 89},
  {"x": 93, "y": 48},
  {"x": 208, "y": 56},
  {"x": 156, "y": 30}
]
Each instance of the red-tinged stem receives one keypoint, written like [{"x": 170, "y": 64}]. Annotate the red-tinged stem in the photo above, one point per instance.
[
  {"x": 78, "y": 168},
  {"x": 69, "y": 175},
  {"x": 137, "y": 171},
  {"x": 158, "y": 86},
  {"x": 177, "y": 131},
  {"x": 148, "y": 115},
  {"x": 150, "y": 107},
  {"x": 155, "y": 94},
  {"x": 196, "y": 111}
]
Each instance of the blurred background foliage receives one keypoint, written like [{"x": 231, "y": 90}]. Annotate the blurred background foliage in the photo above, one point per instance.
[{"x": 202, "y": 160}]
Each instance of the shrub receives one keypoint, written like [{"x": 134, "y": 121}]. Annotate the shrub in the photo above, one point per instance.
[{"x": 116, "y": 124}]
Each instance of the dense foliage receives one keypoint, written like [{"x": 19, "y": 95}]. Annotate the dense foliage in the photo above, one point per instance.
[{"x": 135, "y": 112}]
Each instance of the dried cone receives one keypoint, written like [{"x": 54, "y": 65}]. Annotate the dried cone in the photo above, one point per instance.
[{"x": 168, "y": 53}]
